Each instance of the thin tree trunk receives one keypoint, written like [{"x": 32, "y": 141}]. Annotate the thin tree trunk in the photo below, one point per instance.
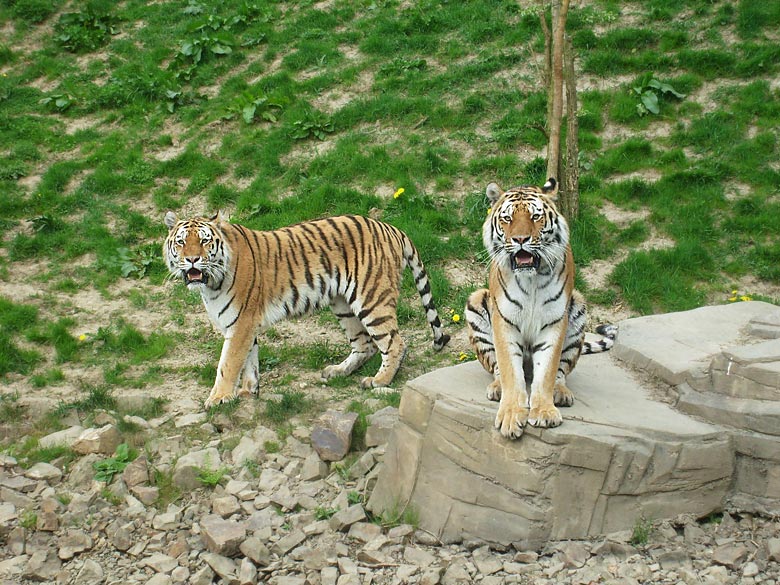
[
  {"x": 570, "y": 198},
  {"x": 547, "y": 71},
  {"x": 559, "y": 10}
]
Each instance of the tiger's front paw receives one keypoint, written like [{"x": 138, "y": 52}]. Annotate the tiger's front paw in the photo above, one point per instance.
[
  {"x": 562, "y": 396},
  {"x": 510, "y": 420},
  {"x": 331, "y": 372},
  {"x": 217, "y": 398},
  {"x": 545, "y": 416},
  {"x": 494, "y": 391}
]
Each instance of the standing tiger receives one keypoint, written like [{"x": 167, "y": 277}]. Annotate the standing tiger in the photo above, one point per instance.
[
  {"x": 529, "y": 324},
  {"x": 248, "y": 280}
]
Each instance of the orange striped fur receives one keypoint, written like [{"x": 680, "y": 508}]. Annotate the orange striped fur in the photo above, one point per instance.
[{"x": 249, "y": 280}]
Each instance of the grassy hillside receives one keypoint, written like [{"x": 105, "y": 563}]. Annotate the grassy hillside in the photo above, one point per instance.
[{"x": 113, "y": 113}]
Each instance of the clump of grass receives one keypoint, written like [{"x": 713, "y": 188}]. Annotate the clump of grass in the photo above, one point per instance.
[
  {"x": 291, "y": 403},
  {"x": 211, "y": 477},
  {"x": 396, "y": 515},
  {"x": 640, "y": 534}
]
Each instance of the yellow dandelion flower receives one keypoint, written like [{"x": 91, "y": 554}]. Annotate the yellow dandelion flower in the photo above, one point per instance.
[
  {"x": 398, "y": 193},
  {"x": 732, "y": 299},
  {"x": 82, "y": 337},
  {"x": 455, "y": 318},
  {"x": 734, "y": 293},
  {"x": 745, "y": 298},
  {"x": 490, "y": 210},
  {"x": 462, "y": 356}
]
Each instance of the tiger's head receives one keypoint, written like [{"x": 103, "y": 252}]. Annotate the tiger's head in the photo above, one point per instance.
[
  {"x": 524, "y": 228},
  {"x": 196, "y": 250}
]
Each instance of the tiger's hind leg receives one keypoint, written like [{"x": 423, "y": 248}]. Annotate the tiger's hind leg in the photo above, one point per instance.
[
  {"x": 382, "y": 325},
  {"x": 480, "y": 331},
  {"x": 363, "y": 347},
  {"x": 570, "y": 353},
  {"x": 251, "y": 375}
]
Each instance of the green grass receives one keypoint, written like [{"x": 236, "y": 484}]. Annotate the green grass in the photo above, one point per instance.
[
  {"x": 283, "y": 112},
  {"x": 291, "y": 403}
]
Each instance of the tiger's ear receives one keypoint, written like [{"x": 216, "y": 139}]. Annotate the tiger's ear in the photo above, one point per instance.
[
  {"x": 170, "y": 219},
  {"x": 219, "y": 217},
  {"x": 550, "y": 188},
  {"x": 494, "y": 193}
]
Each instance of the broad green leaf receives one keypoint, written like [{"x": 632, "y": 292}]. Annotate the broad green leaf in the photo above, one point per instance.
[{"x": 650, "y": 101}]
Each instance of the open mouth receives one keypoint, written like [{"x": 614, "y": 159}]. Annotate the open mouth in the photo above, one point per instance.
[
  {"x": 194, "y": 276},
  {"x": 523, "y": 260}
]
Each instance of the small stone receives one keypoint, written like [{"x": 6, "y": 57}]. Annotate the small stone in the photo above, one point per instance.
[
  {"x": 773, "y": 549},
  {"x": 488, "y": 564},
  {"x": 166, "y": 520},
  {"x": 673, "y": 559},
  {"x": 331, "y": 436},
  {"x": 418, "y": 556},
  {"x": 147, "y": 495},
  {"x": 90, "y": 573},
  {"x": 750, "y": 569},
  {"x": 122, "y": 537},
  {"x": 104, "y": 440},
  {"x": 222, "y": 537},
  {"x": 74, "y": 542},
  {"x": 16, "y": 540},
  {"x": 161, "y": 563},
  {"x": 329, "y": 576},
  {"x": 526, "y": 557},
  {"x": 180, "y": 575},
  {"x": 247, "y": 573},
  {"x": 343, "y": 519},
  {"x": 400, "y": 533},
  {"x": 235, "y": 487},
  {"x": 574, "y": 554},
  {"x": 364, "y": 531},
  {"x": 457, "y": 574},
  {"x": 190, "y": 465},
  {"x": 137, "y": 472},
  {"x": 42, "y": 566},
  {"x": 284, "y": 498},
  {"x": 65, "y": 437},
  {"x": 18, "y": 483},
  {"x": 289, "y": 542},
  {"x": 44, "y": 472},
  {"x": 222, "y": 566},
  {"x": 313, "y": 468},
  {"x": 729, "y": 555},
  {"x": 191, "y": 419},
  {"x": 203, "y": 576},
  {"x": 431, "y": 576},
  {"x": 694, "y": 534},
  {"x": 347, "y": 566},
  {"x": 225, "y": 506},
  {"x": 362, "y": 466}
]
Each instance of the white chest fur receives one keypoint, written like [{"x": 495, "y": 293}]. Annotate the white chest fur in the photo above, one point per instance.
[{"x": 532, "y": 302}]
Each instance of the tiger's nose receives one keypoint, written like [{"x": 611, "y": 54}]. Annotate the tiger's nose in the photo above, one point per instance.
[
  {"x": 520, "y": 239},
  {"x": 193, "y": 259}
]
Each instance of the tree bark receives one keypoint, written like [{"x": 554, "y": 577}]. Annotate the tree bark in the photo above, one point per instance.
[
  {"x": 547, "y": 71},
  {"x": 570, "y": 198},
  {"x": 559, "y": 10}
]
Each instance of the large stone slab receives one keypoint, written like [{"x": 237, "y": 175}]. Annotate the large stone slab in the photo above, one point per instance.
[{"x": 627, "y": 448}]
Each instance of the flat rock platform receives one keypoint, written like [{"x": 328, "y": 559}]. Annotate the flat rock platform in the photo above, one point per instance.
[{"x": 681, "y": 417}]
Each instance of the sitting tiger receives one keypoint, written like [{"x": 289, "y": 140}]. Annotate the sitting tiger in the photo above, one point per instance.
[
  {"x": 529, "y": 324},
  {"x": 248, "y": 280}
]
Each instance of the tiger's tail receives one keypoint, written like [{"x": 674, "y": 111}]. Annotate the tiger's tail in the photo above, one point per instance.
[
  {"x": 608, "y": 335},
  {"x": 413, "y": 262}
]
